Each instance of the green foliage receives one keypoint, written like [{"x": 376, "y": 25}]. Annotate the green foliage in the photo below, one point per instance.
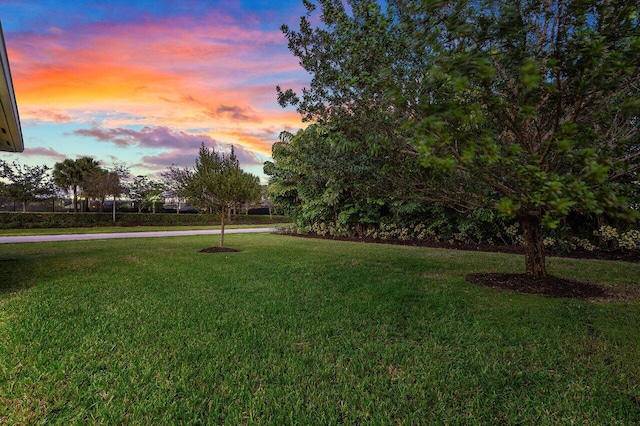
[
  {"x": 314, "y": 178},
  {"x": 216, "y": 183},
  {"x": 70, "y": 175},
  {"x": 525, "y": 107},
  {"x": 145, "y": 192},
  {"x": 24, "y": 183}
]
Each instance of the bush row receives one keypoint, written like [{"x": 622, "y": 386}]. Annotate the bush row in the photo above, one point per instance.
[
  {"x": 606, "y": 238},
  {"x": 81, "y": 220}
]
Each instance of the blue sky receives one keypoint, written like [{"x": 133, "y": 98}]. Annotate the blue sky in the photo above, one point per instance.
[{"x": 144, "y": 82}]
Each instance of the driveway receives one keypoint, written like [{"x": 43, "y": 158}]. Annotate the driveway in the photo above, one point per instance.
[{"x": 107, "y": 236}]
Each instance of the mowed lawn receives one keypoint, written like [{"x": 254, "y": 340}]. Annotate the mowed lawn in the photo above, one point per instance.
[{"x": 303, "y": 331}]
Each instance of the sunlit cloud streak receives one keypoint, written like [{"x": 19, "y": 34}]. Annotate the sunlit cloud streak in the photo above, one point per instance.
[
  {"x": 180, "y": 148},
  {"x": 49, "y": 153}
]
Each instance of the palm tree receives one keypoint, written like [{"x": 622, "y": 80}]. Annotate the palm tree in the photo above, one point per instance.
[
  {"x": 71, "y": 174},
  {"x": 65, "y": 175},
  {"x": 87, "y": 167}
]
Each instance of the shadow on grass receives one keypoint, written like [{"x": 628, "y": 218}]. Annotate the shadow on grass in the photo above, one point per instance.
[{"x": 11, "y": 268}]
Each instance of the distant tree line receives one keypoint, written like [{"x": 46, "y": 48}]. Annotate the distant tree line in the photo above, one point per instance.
[
  {"x": 215, "y": 184},
  {"x": 465, "y": 117}
]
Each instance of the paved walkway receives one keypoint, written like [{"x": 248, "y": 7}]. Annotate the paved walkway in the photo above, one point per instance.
[{"x": 106, "y": 236}]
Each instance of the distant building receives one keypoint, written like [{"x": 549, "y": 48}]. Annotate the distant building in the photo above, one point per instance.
[{"x": 10, "y": 130}]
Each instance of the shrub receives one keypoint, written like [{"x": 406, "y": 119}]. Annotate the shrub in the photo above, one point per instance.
[{"x": 11, "y": 220}]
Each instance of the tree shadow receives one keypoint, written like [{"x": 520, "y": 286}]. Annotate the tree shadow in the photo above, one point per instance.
[{"x": 12, "y": 274}]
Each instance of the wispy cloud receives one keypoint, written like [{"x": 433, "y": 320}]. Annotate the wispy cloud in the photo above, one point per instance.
[
  {"x": 180, "y": 148},
  {"x": 48, "y": 153},
  {"x": 45, "y": 115}
]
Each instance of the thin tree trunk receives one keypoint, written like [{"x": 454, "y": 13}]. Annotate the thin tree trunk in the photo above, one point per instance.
[
  {"x": 24, "y": 207},
  {"x": 222, "y": 216},
  {"x": 114, "y": 209},
  {"x": 602, "y": 221},
  {"x": 75, "y": 199},
  {"x": 534, "y": 248}
]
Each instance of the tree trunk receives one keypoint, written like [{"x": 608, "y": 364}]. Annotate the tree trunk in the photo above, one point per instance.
[
  {"x": 602, "y": 221},
  {"x": 75, "y": 199},
  {"x": 24, "y": 207},
  {"x": 534, "y": 248},
  {"x": 222, "y": 216},
  {"x": 114, "y": 209}
]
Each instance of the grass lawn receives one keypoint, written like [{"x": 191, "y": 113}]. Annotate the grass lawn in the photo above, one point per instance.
[{"x": 305, "y": 331}]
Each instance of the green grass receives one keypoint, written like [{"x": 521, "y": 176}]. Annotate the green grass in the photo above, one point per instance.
[{"x": 303, "y": 331}]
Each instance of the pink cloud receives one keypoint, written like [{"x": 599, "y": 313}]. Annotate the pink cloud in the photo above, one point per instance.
[
  {"x": 44, "y": 152},
  {"x": 167, "y": 76},
  {"x": 179, "y": 147},
  {"x": 45, "y": 115}
]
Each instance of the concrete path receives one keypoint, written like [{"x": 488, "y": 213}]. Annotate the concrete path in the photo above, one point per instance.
[{"x": 106, "y": 236}]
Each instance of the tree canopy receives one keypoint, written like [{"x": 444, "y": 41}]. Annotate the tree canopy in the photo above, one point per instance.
[
  {"x": 527, "y": 107},
  {"x": 25, "y": 183},
  {"x": 217, "y": 182}
]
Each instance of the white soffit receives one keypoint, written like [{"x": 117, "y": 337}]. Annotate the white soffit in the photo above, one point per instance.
[{"x": 10, "y": 131}]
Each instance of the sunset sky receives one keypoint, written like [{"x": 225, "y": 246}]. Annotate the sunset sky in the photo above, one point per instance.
[{"x": 144, "y": 82}]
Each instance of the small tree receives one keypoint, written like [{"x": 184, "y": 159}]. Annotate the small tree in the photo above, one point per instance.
[
  {"x": 95, "y": 186},
  {"x": 145, "y": 192},
  {"x": 174, "y": 182},
  {"x": 215, "y": 183},
  {"x": 25, "y": 183},
  {"x": 88, "y": 167}
]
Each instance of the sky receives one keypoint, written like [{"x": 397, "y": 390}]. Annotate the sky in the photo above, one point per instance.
[{"x": 145, "y": 82}]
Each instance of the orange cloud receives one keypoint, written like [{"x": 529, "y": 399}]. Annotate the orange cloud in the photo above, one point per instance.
[{"x": 209, "y": 74}]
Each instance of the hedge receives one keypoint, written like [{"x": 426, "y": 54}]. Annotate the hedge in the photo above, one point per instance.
[{"x": 11, "y": 220}]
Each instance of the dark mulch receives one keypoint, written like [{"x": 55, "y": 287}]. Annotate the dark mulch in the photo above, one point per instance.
[
  {"x": 218, "y": 250},
  {"x": 550, "y": 286}
]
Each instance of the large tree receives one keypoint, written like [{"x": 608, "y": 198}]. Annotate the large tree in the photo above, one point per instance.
[
  {"x": 216, "y": 183},
  {"x": 529, "y": 106},
  {"x": 25, "y": 183}
]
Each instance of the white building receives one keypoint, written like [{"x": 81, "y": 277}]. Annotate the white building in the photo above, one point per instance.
[{"x": 10, "y": 130}]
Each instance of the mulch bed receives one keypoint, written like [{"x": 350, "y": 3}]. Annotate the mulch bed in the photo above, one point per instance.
[
  {"x": 550, "y": 286},
  {"x": 218, "y": 250}
]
